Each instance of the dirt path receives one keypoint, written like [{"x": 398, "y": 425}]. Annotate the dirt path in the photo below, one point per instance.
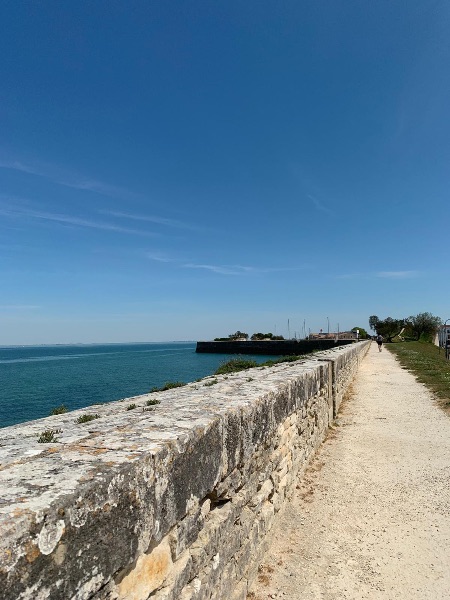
[{"x": 372, "y": 515}]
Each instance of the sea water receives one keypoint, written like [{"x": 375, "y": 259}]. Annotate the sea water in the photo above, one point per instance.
[{"x": 36, "y": 379}]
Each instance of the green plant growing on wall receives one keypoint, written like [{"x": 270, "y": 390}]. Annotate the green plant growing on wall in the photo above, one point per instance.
[
  {"x": 282, "y": 359},
  {"x": 58, "y": 410},
  {"x": 167, "y": 386},
  {"x": 131, "y": 406},
  {"x": 87, "y": 418},
  {"x": 152, "y": 402},
  {"x": 211, "y": 382},
  {"x": 48, "y": 436},
  {"x": 234, "y": 365}
]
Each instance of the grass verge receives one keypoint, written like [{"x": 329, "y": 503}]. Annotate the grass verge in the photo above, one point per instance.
[{"x": 430, "y": 368}]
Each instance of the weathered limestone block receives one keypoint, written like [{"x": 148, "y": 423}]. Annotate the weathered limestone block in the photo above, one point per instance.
[
  {"x": 226, "y": 586},
  {"x": 261, "y": 496},
  {"x": 246, "y": 519},
  {"x": 149, "y": 573},
  {"x": 177, "y": 579},
  {"x": 228, "y": 487},
  {"x": 267, "y": 517},
  {"x": 185, "y": 533},
  {"x": 219, "y": 536}
]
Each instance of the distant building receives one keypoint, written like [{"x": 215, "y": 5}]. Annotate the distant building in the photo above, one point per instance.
[{"x": 444, "y": 335}]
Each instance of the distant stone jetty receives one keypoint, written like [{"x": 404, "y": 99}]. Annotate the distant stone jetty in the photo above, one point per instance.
[{"x": 269, "y": 347}]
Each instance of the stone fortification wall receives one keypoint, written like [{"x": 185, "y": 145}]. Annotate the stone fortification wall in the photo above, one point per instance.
[
  {"x": 269, "y": 347},
  {"x": 174, "y": 503}
]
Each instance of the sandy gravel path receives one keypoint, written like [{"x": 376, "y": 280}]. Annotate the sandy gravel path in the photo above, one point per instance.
[{"x": 372, "y": 515}]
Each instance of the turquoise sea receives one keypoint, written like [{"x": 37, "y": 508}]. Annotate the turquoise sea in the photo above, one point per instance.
[{"x": 35, "y": 379}]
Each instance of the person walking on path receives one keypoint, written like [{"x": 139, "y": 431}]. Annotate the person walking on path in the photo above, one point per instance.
[
  {"x": 380, "y": 342},
  {"x": 370, "y": 517}
]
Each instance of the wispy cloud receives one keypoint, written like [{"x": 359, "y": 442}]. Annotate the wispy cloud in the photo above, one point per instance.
[
  {"x": 397, "y": 274},
  {"x": 213, "y": 268},
  {"x": 351, "y": 276},
  {"x": 238, "y": 269},
  {"x": 319, "y": 206},
  {"x": 60, "y": 177},
  {"x": 381, "y": 275},
  {"x": 18, "y": 307},
  {"x": 247, "y": 269},
  {"x": 99, "y": 187},
  {"x": 15, "y": 165},
  {"x": 160, "y": 257},
  {"x": 64, "y": 219},
  {"x": 150, "y": 219},
  {"x": 219, "y": 269}
]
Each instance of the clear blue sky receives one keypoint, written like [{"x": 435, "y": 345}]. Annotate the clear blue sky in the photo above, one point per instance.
[{"x": 181, "y": 170}]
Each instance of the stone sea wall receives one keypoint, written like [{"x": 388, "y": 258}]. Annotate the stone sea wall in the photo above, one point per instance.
[
  {"x": 269, "y": 347},
  {"x": 174, "y": 501}
]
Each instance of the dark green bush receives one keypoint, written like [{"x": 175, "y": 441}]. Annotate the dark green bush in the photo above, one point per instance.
[
  {"x": 234, "y": 365},
  {"x": 167, "y": 386},
  {"x": 282, "y": 359},
  {"x": 87, "y": 418},
  {"x": 59, "y": 410},
  {"x": 48, "y": 436}
]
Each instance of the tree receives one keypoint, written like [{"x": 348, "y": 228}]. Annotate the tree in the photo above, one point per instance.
[
  {"x": 238, "y": 335},
  {"x": 262, "y": 336},
  {"x": 424, "y": 324},
  {"x": 373, "y": 320},
  {"x": 257, "y": 336},
  {"x": 388, "y": 327},
  {"x": 362, "y": 333}
]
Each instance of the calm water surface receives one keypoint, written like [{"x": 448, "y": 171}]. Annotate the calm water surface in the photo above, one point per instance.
[{"x": 34, "y": 380}]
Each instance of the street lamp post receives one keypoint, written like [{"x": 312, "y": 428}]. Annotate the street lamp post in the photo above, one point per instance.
[{"x": 328, "y": 321}]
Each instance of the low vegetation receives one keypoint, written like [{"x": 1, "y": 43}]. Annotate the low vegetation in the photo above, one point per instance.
[
  {"x": 152, "y": 402},
  {"x": 211, "y": 382},
  {"x": 234, "y": 365},
  {"x": 282, "y": 359},
  {"x": 87, "y": 418},
  {"x": 131, "y": 406},
  {"x": 59, "y": 410},
  {"x": 241, "y": 364},
  {"x": 428, "y": 365},
  {"x": 48, "y": 436},
  {"x": 168, "y": 386}
]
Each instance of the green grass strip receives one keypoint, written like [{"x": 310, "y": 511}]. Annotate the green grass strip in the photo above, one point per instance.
[{"x": 428, "y": 365}]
